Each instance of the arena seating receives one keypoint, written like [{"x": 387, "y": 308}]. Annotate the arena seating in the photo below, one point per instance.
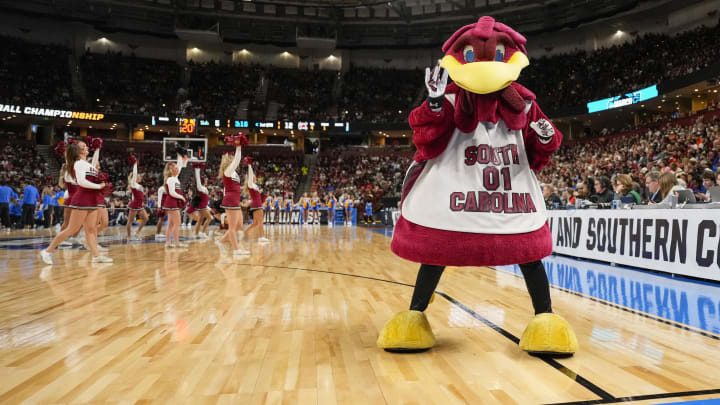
[
  {"x": 129, "y": 84},
  {"x": 363, "y": 174},
  {"x": 687, "y": 147},
  {"x": 32, "y": 74}
]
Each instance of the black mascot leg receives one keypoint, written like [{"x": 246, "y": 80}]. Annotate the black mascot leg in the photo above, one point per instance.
[
  {"x": 427, "y": 280},
  {"x": 537, "y": 284}
]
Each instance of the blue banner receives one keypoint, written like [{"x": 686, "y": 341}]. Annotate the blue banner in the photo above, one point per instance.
[{"x": 621, "y": 101}]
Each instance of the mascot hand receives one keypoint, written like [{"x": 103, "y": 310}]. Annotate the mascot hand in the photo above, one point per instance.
[{"x": 436, "y": 81}]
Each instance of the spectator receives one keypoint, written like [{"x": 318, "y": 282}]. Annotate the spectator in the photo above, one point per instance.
[
  {"x": 627, "y": 189},
  {"x": 551, "y": 199},
  {"x": 602, "y": 194},
  {"x": 708, "y": 180},
  {"x": 653, "y": 185},
  {"x": 667, "y": 182}
]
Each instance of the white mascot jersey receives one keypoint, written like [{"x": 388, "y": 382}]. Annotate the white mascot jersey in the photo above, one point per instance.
[{"x": 481, "y": 183}]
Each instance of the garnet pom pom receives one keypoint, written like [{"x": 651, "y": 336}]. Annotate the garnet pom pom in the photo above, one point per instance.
[{"x": 238, "y": 140}]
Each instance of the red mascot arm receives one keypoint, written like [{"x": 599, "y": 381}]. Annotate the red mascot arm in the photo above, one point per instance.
[
  {"x": 541, "y": 138},
  {"x": 431, "y": 130}
]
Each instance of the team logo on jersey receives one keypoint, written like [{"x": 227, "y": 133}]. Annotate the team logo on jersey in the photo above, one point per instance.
[{"x": 544, "y": 130}]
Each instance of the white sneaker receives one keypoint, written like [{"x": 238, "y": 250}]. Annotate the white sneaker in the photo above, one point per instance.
[
  {"x": 102, "y": 248},
  {"x": 169, "y": 246},
  {"x": 102, "y": 259},
  {"x": 159, "y": 236},
  {"x": 202, "y": 235},
  {"x": 263, "y": 240},
  {"x": 240, "y": 252},
  {"x": 66, "y": 242},
  {"x": 46, "y": 256},
  {"x": 182, "y": 245}
]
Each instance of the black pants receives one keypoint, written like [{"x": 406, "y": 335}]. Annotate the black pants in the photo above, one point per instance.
[
  {"x": 5, "y": 214},
  {"x": 58, "y": 214},
  {"x": 47, "y": 214},
  {"x": 535, "y": 279},
  {"x": 28, "y": 214},
  {"x": 16, "y": 221}
]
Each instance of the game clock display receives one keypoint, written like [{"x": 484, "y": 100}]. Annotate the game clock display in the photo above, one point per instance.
[{"x": 187, "y": 126}]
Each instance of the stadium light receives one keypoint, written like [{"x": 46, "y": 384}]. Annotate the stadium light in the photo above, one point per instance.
[{"x": 195, "y": 50}]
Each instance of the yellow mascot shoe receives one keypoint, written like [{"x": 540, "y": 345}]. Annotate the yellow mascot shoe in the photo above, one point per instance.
[
  {"x": 549, "y": 335},
  {"x": 407, "y": 331}
]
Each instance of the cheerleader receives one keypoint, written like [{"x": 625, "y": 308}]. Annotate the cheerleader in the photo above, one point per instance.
[
  {"x": 331, "y": 206},
  {"x": 103, "y": 217},
  {"x": 65, "y": 181},
  {"x": 231, "y": 200},
  {"x": 315, "y": 207},
  {"x": 160, "y": 214},
  {"x": 202, "y": 214},
  {"x": 277, "y": 203},
  {"x": 267, "y": 209},
  {"x": 136, "y": 206},
  {"x": 305, "y": 207},
  {"x": 287, "y": 210},
  {"x": 368, "y": 212},
  {"x": 256, "y": 209},
  {"x": 173, "y": 201},
  {"x": 189, "y": 214},
  {"x": 348, "y": 205},
  {"x": 85, "y": 210}
]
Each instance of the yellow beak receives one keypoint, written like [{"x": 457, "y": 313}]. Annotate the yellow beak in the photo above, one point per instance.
[{"x": 485, "y": 77}]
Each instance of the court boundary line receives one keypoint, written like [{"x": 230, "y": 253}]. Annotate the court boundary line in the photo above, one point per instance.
[
  {"x": 585, "y": 383},
  {"x": 605, "y": 397}
]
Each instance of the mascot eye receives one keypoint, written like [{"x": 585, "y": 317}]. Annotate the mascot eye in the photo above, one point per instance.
[
  {"x": 469, "y": 54},
  {"x": 499, "y": 53}
]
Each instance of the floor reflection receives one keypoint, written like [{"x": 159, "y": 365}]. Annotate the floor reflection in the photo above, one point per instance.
[{"x": 689, "y": 302}]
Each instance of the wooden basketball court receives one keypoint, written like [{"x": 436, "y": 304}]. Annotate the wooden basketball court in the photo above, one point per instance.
[{"x": 296, "y": 323}]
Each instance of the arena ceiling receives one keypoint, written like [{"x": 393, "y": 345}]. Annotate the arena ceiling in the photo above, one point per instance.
[{"x": 351, "y": 23}]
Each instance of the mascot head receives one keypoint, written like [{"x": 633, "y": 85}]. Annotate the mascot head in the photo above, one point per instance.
[{"x": 485, "y": 57}]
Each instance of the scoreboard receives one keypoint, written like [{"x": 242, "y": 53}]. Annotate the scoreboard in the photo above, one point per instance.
[{"x": 187, "y": 126}]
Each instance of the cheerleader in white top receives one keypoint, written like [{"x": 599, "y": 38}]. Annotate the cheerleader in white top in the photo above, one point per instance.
[
  {"x": 256, "y": 204},
  {"x": 137, "y": 205},
  {"x": 201, "y": 214},
  {"x": 85, "y": 211},
  {"x": 232, "y": 187},
  {"x": 173, "y": 201},
  {"x": 94, "y": 145},
  {"x": 160, "y": 213}
]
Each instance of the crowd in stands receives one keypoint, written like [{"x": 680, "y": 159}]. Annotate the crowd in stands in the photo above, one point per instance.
[
  {"x": 379, "y": 95},
  {"x": 20, "y": 164},
  {"x": 360, "y": 174},
  {"x": 216, "y": 90},
  {"x": 302, "y": 94},
  {"x": 37, "y": 75},
  {"x": 128, "y": 84},
  {"x": 687, "y": 155},
  {"x": 579, "y": 77}
]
